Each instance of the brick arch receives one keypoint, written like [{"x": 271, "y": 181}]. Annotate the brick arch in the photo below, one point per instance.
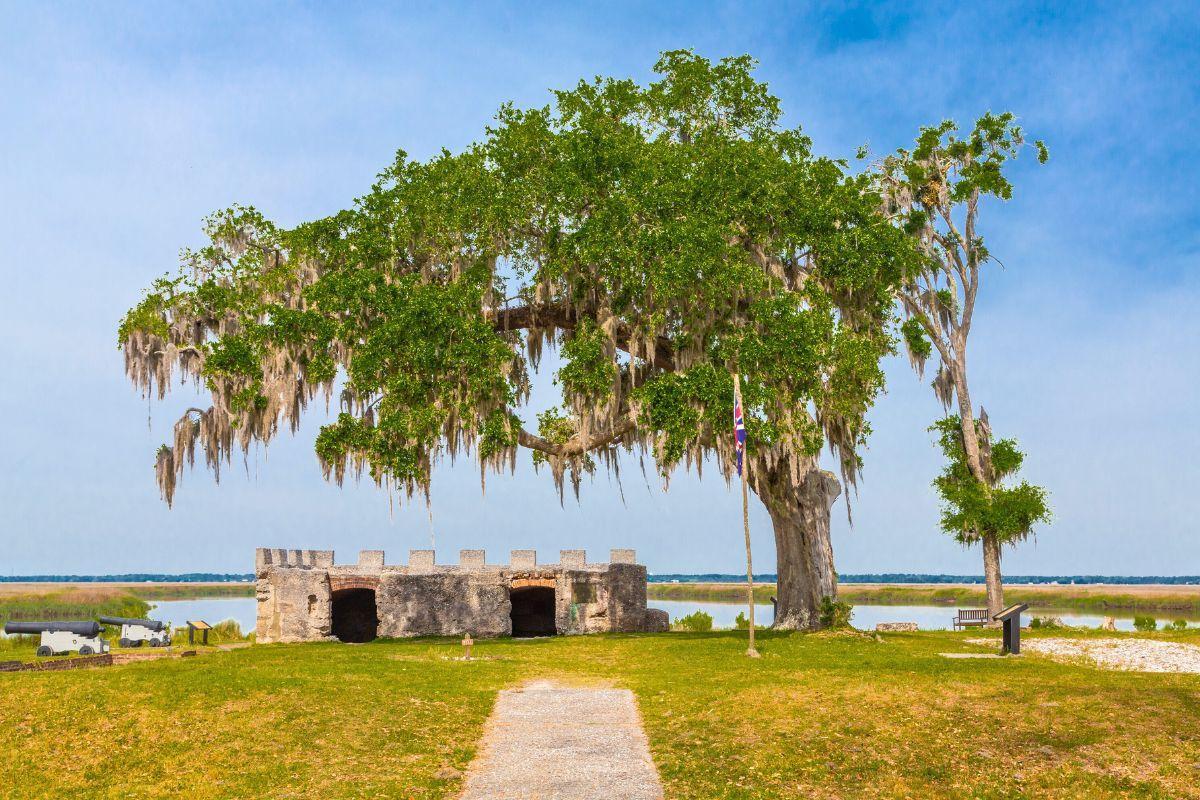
[
  {"x": 523, "y": 583},
  {"x": 338, "y": 583}
]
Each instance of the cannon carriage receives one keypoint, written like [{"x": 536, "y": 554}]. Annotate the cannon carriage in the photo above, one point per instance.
[
  {"x": 136, "y": 632},
  {"x": 82, "y": 637}
]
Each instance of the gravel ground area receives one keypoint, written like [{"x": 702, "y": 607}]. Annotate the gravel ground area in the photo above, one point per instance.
[
  {"x": 1141, "y": 655},
  {"x": 548, "y": 742}
]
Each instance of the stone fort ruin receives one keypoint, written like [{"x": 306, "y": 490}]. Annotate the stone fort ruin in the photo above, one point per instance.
[{"x": 304, "y": 596}]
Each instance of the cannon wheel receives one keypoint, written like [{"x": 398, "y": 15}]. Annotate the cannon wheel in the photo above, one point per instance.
[
  {"x": 154, "y": 642},
  {"x": 44, "y": 651},
  {"x": 85, "y": 650},
  {"x": 125, "y": 643}
]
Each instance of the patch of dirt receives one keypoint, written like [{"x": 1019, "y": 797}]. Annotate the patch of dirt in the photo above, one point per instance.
[{"x": 1139, "y": 655}]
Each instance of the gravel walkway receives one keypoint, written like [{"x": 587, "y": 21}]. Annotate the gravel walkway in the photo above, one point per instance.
[
  {"x": 1142, "y": 655},
  {"x": 548, "y": 742}
]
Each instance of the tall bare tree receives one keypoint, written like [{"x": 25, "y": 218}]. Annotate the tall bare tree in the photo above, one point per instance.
[{"x": 934, "y": 193}]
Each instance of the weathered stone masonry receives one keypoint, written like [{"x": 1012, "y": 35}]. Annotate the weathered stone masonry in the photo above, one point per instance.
[{"x": 304, "y": 596}]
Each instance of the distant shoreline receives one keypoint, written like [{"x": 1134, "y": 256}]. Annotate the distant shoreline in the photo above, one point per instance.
[
  {"x": 887, "y": 578},
  {"x": 1161, "y": 597},
  {"x": 135, "y": 578},
  {"x": 921, "y": 579},
  {"x": 1184, "y": 598}
]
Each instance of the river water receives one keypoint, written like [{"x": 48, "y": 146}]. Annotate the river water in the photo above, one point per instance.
[
  {"x": 929, "y": 618},
  {"x": 210, "y": 609}
]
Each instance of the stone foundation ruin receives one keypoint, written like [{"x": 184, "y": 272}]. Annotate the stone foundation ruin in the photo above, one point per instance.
[{"x": 303, "y": 596}]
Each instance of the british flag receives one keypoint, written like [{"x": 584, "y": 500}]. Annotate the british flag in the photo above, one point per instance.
[{"x": 739, "y": 433}]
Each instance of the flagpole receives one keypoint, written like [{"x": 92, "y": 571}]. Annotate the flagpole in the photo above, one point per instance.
[{"x": 745, "y": 470}]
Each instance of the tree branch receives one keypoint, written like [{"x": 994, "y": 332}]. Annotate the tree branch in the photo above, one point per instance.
[
  {"x": 951, "y": 250},
  {"x": 972, "y": 287},
  {"x": 575, "y": 446},
  {"x": 794, "y": 275},
  {"x": 525, "y": 317},
  {"x": 931, "y": 327}
]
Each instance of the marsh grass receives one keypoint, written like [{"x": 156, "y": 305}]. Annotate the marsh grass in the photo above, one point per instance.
[
  {"x": 696, "y": 622},
  {"x": 225, "y": 632},
  {"x": 74, "y": 603},
  {"x": 835, "y": 715},
  {"x": 191, "y": 591},
  {"x": 17, "y": 647}
]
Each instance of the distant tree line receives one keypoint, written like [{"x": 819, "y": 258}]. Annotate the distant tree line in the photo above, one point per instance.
[
  {"x": 133, "y": 577},
  {"x": 707, "y": 577}
]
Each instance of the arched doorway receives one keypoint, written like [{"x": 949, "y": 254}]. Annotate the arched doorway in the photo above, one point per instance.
[
  {"x": 354, "y": 615},
  {"x": 533, "y": 611}
]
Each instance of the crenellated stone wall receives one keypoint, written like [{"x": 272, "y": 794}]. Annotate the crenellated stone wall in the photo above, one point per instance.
[{"x": 300, "y": 592}]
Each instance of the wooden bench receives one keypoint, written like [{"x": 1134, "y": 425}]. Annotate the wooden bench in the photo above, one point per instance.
[{"x": 968, "y": 617}]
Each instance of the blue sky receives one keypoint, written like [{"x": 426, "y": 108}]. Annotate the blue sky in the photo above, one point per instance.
[{"x": 123, "y": 127}]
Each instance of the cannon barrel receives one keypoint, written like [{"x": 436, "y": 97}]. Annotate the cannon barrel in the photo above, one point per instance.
[
  {"x": 152, "y": 624},
  {"x": 87, "y": 628}
]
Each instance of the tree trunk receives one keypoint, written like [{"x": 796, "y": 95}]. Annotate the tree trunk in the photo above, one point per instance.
[
  {"x": 981, "y": 469},
  {"x": 991, "y": 575},
  {"x": 966, "y": 416},
  {"x": 803, "y": 550}
]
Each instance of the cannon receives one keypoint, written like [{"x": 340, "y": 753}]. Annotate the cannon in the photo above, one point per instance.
[
  {"x": 63, "y": 637},
  {"x": 135, "y": 632}
]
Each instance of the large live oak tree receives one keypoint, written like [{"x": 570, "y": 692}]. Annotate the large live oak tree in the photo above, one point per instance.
[{"x": 662, "y": 237}]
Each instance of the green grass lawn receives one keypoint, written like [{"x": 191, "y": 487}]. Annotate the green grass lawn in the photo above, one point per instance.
[{"x": 825, "y": 715}]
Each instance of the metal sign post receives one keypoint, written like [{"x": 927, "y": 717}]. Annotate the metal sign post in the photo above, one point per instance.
[{"x": 1011, "y": 617}]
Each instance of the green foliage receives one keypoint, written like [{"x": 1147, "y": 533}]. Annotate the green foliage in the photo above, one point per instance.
[
  {"x": 1180, "y": 624},
  {"x": 1145, "y": 624},
  {"x": 932, "y": 192},
  {"x": 696, "y": 622},
  {"x": 590, "y": 370},
  {"x": 224, "y": 632},
  {"x": 497, "y": 435},
  {"x": 970, "y": 164},
  {"x": 146, "y": 316},
  {"x": 972, "y": 508},
  {"x": 835, "y": 613},
  {"x": 742, "y": 623},
  {"x": 915, "y": 339},
  {"x": 661, "y": 236}
]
